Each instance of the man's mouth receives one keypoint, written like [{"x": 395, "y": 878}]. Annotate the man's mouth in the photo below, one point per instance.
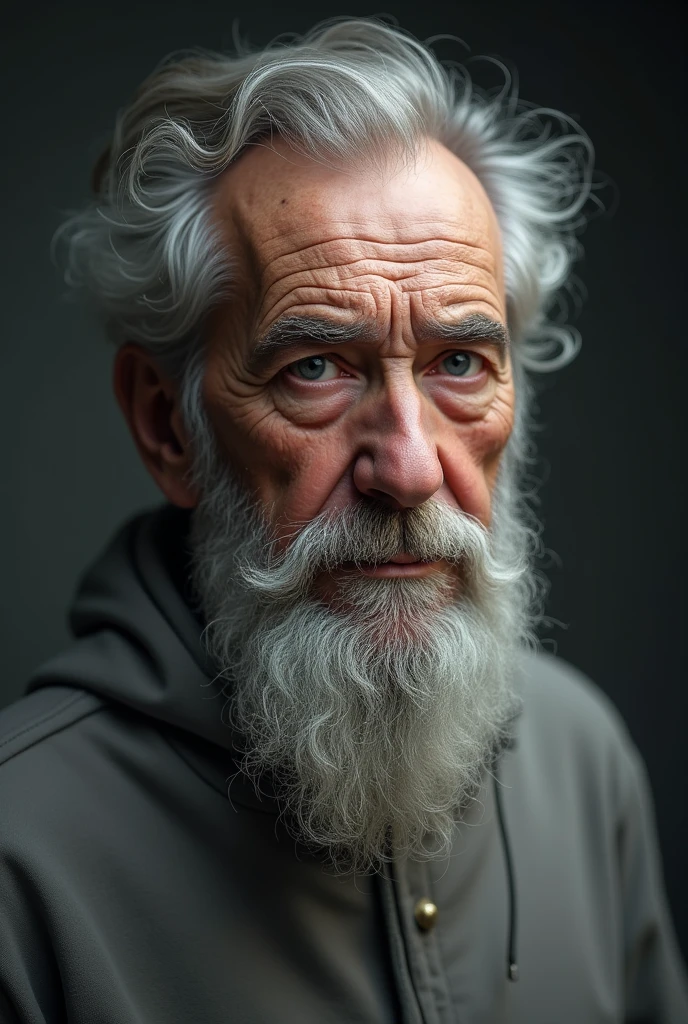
[{"x": 401, "y": 565}]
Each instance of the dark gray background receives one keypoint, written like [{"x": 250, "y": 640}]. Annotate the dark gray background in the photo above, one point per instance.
[{"x": 613, "y": 500}]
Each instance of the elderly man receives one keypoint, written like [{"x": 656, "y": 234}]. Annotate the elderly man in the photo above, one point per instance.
[{"x": 303, "y": 762}]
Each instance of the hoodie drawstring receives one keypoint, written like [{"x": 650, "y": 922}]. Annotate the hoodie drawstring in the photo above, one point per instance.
[{"x": 511, "y": 964}]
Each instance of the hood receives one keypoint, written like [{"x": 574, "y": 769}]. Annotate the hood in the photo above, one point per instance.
[{"x": 138, "y": 639}]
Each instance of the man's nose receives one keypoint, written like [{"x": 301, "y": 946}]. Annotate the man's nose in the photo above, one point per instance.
[{"x": 397, "y": 461}]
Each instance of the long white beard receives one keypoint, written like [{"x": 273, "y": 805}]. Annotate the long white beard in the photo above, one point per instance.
[{"x": 375, "y": 719}]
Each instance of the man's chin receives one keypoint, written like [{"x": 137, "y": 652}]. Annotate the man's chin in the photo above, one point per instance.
[{"x": 390, "y": 613}]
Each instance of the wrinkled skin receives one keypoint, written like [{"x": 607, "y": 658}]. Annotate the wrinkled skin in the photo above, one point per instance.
[{"x": 386, "y": 419}]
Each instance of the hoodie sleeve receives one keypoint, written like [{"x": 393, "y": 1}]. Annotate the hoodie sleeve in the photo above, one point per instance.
[
  {"x": 30, "y": 983},
  {"x": 655, "y": 979},
  {"x": 7, "y": 1013}
]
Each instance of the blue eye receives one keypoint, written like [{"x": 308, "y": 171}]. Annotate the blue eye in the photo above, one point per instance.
[
  {"x": 458, "y": 364},
  {"x": 311, "y": 368},
  {"x": 315, "y": 368}
]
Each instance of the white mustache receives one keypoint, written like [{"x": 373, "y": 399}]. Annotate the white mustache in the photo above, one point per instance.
[{"x": 369, "y": 533}]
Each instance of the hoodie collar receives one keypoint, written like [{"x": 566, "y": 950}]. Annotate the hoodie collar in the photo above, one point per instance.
[{"x": 138, "y": 639}]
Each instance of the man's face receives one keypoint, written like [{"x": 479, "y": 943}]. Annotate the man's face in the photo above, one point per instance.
[
  {"x": 368, "y": 604},
  {"x": 390, "y": 406}
]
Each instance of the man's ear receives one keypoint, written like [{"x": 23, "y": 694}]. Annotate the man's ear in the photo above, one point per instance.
[{"x": 151, "y": 407}]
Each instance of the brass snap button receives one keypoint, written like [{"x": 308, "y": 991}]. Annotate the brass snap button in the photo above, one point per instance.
[{"x": 425, "y": 914}]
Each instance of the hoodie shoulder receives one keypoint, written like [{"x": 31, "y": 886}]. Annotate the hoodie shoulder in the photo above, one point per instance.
[
  {"x": 39, "y": 715},
  {"x": 568, "y": 724},
  {"x": 554, "y": 689}
]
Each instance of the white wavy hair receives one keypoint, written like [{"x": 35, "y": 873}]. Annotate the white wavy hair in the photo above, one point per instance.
[{"x": 148, "y": 253}]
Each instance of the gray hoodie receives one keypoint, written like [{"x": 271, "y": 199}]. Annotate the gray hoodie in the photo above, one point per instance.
[{"x": 134, "y": 891}]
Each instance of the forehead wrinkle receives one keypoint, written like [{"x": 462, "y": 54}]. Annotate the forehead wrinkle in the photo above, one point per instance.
[
  {"x": 289, "y": 289},
  {"x": 362, "y": 239},
  {"x": 366, "y": 275},
  {"x": 338, "y": 299},
  {"x": 374, "y": 294},
  {"x": 458, "y": 293},
  {"x": 336, "y": 253},
  {"x": 439, "y": 254}
]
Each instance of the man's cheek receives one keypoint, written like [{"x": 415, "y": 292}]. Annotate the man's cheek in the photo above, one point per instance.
[
  {"x": 297, "y": 475},
  {"x": 470, "y": 459}
]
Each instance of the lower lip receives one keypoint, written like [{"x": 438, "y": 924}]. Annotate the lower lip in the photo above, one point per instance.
[{"x": 387, "y": 570}]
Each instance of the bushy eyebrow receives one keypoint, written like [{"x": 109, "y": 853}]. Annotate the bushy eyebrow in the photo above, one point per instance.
[
  {"x": 474, "y": 327},
  {"x": 292, "y": 331}
]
